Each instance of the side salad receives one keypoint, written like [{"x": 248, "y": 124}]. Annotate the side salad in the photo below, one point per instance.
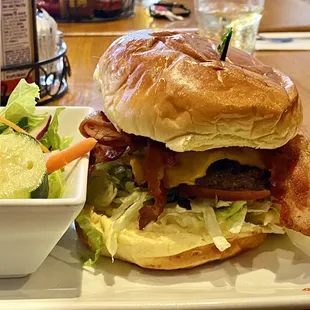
[{"x": 32, "y": 153}]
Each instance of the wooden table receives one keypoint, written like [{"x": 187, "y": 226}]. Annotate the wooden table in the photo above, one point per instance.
[{"x": 278, "y": 15}]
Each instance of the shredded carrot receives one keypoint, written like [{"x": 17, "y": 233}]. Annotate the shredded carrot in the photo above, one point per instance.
[
  {"x": 60, "y": 159},
  {"x": 20, "y": 130}
]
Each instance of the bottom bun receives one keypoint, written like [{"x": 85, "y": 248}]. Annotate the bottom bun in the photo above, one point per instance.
[{"x": 191, "y": 258}]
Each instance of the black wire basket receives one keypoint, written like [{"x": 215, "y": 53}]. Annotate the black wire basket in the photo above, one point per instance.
[{"x": 52, "y": 83}]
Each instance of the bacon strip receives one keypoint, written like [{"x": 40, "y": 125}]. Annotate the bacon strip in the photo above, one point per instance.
[
  {"x": 290, "y": 180},
  {"x": 101, "y": 153},
  {"x": 154, "y": 166},
  {"x": 98, "y": 126}
]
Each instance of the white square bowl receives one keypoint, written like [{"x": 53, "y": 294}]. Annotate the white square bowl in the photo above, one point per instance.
[{"x": 30, "y": 228}]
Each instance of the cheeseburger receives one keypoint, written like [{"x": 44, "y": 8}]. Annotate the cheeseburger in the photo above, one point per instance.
[{"x": 197, "y": 159}]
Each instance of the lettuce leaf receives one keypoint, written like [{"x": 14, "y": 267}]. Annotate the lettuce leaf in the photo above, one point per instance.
[
  {"x": 65, "y": 142},
  {"x": 51, "y": 139},
  {"x": 212, "y": 225},
  {"x": 56, "y": 183},
  {"x": 120, "y": 222},
  {"x": 21, "y": 104},
  {"x": 127, "y": 202},
  {"x": 101, "y": 191},
  {"x": 259, "y": 206},
  {"x": 235, "y": 222},
  {"x": 95, "y": 238},
  {"x": 223, "y": 204},
  {"x": 111, "y": 185},
  {"x": 175, "y": 217},
  {"x": 109, "y": 182},
  {"x": 224, "y": 213},
  {"x": 214, "y": 230},
  {"x": 265, "y": 216},
  {"x": 231, "y": 215},
  {"x": 274, "y": 229}
]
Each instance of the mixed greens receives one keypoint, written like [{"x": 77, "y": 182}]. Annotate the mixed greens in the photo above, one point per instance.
[
  {"x": 113, "y": 202},
  {"x": 23, "y": 171}
]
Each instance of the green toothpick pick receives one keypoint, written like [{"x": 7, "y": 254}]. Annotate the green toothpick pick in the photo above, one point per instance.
[{"x": 223, "y": 47}]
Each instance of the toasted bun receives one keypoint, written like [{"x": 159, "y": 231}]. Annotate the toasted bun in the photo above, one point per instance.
[
  {"x": 172, "y": 88},
  {"x": 129, "y": 250}
]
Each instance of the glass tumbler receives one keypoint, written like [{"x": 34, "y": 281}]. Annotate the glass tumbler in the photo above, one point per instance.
[{"x": 215, "y": 17}]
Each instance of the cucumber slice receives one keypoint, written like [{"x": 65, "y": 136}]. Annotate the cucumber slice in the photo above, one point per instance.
[
  {"x": 42, "y": 190},
  {"x": 22, "y": 167}
]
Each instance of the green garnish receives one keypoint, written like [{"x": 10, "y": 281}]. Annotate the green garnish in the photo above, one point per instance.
[{"x": 223, "y": 47}]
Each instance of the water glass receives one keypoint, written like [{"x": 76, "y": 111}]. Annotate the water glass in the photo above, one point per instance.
[{"x": 215, "y": 17}]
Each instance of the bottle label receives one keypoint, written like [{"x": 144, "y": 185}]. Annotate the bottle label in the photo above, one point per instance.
[{"x": 17, "y": 40}]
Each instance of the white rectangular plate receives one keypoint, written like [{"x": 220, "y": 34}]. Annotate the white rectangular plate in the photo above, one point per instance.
[{"x": 270, "y": 277}]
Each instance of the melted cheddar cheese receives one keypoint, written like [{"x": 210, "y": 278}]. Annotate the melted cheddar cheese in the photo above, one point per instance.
[{"x": 193, "y": 165}]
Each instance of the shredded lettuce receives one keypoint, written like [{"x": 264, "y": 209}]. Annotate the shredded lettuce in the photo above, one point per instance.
[
  {"x": 56, "y": 183},
  {"x": 227, "y": 212},
  {"x": 265, "y": 217},
  {"x": 127, "y": 202},
  {"x": 274, "y": 229},
  {"x": 125, "y": 215},
  {"x": 212, "y": 225},
  {"x": 51, "y": 139},
  {"x": 109, "y": 182},
  {"x": 21, "y": 105},
  {"x": 230, "y": 218},
  {"x": 214, "y": 230},
  {"x": 223, "y": 204},
  {"x": 101, "y": 190},
  {"x": 94, "y": 236},
  {"x": 113, "y": 192},
  {"x": 120, "y": 222},
  {"x": 259, "y": 206},
  {"x": 174, "y": 217},
  {"x": 235, "y": 222}
]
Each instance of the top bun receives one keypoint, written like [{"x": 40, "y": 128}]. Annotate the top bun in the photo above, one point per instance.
[{"x": 173, "y": 88}]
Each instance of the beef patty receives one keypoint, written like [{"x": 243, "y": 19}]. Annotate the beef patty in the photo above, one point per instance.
[{"x": 228, "y": 174}]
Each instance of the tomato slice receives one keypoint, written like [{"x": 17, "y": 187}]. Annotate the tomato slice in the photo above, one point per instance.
[{"x": 203, "y": 192}]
